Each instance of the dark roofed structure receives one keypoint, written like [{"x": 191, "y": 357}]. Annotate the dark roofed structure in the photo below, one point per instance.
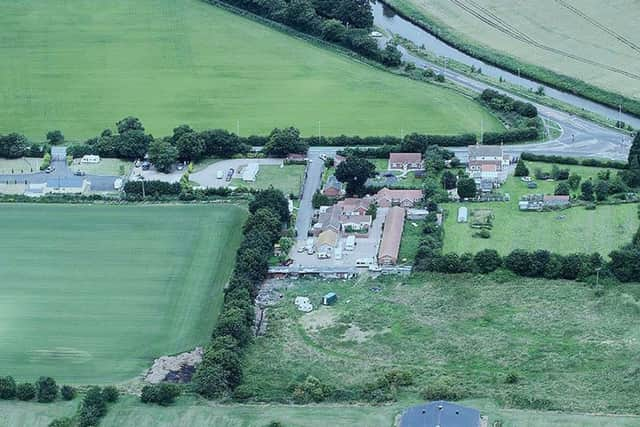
[{"x": 442, "y": 414}]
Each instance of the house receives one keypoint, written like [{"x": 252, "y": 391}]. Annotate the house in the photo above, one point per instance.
[
  {"x": 333, "y": 187},
  {"x": 346, "y": 216},
  {"x": 250, "y": 172},
  {"x": 417, "y": 214},
  {"x": 356, "y": 205},
  {"x": 327, "y": 241},
  {"x": 487, "y": 164},
  {"x": 405, "y": 198},
  {"x": 391, "y": 236},
  {"x": 440, "y": 414},
  {"x": 338, "y": 159},
  {"x": 405, "y": 161},
  {"x": 355, "y": 223},
  {"x": 296, "y": 158},
  {"x": 59, "y": 185}
]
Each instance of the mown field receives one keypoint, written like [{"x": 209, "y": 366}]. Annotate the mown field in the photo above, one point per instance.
[
  {"x": 184, "y": 61},
  {"x": 289, "y": 178},
  {"x": 569, "y": 349},
  {"x": 92, "y": 294},
  {"x": 587, "y": 39},
  {"x": 195, "y": 412},
  {"x": 567, "y": 231}
]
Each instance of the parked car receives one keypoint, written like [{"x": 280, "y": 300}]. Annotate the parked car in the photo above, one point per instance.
[
  {"x": 220, "y": 175},
  {"x": 288, "y": 262},
  {"x": 146, "y": 166},
  {"x": 48, "y": 170},
  {"x": 79, "y": 173}
]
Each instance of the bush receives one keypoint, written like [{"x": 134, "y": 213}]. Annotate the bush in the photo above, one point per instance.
[
  {"x": 68, "y": 392},
  {"x": 162, "y": 394},
  {"x": 25, "y": 391},
  {"x": 110, "y": 394},
  {"x": 512, "y": 378},
  {"x": 487, "y": 260},
  {"x": 310, "y": 390},
  {"x": 62, "y": 422},
  {"x": 46, "y": 389},
  {"x": 442, "y": 390},
  {"x": 7, "y": 388}
]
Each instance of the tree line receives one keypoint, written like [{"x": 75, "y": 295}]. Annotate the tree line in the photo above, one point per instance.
[{"x": 221, "y": 369}]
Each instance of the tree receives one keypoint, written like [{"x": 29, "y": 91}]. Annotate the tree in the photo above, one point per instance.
[
  {"x": 95, "y": 400},
  {"x": 285, "y": 141},
  {"x": 132, "y": 144},
  {"x": 372, "y": 211},
  {"x": 355, "y": 171},
  {"x": 355, "y": 13},
  {"x": 25, "y": 391},
  {"x": 209, "y": 380},
  {"x": 632, "y": 175},
  {"x": 46, "y": 389},
  {"x": 163, "y": 394},
  {"x": 302, "y": 15},
  {"x": 587, "y": 191},
  {"x": 62, "y": 422},
  {"x": 68, "y": 392},
  {"x": 110, "y": 394},
  {"x": 55, "y": 137},
  {"x": 449, "y": 180},
  {"x": 625, "y": 263},
  {"x": 521, "y": 169},
  {"x": 222, "y": 143},
  {"x": 487, "y": 260},
  {"x": 574, "y": 181},
  {"x": 432, "y": 189},
  {"x": 562, "y": 189},
  {"x": 232, "y": 322},
  {"x": 518, "y": 261},
  {"x": 320, "y": 199},
  {"x": 391, "y": 56},
  {"x": 178, "y": 131},
  {"x": 7, "y": 388},
  {"x": 266, "y": 221},
  {"x": 163, "y": 155},
  {"x": 601, "y": 190},
  {"x": 13, "y": 145},
  {"x": 333, "y": 30},
  {"x": 128, "y": 124},
  {"x": 466, "y": 188},
  {"x": 190, "y": 147},
  {"x": 271, "y": 199}
]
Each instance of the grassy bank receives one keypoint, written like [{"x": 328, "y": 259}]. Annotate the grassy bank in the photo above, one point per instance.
[{"x": 92, "y": 294}]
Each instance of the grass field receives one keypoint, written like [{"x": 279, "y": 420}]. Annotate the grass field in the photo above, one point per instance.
[
  {"x": 288, "y": 179},
  {"x": 184, "y": 61},
  {"x": 564, "y": 343},
  {"x": 106, "y": 166},
  {"x": 603, "y": 47},
  {"x": 568, "y": 231},
  {"x": 92, "y": 294}
]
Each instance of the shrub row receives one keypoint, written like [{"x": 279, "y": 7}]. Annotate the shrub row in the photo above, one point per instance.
[
  {"x": 45, "y": 390},
  {"x": 506, "y": 104},
  {"x": 221, "y": 369},
  {"x": 611, "y": 164}
]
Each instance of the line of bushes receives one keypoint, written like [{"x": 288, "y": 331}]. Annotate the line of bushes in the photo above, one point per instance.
[
  {"x": 506, "y": 104},
  {"x": 610, "y": 164},
  {"x": 534, "y": 72},
  {"x": 221, "y": 369}
]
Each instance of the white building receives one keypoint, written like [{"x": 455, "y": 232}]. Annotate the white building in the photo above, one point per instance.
[
  {"x": 250, "y": 172},
  {"x": 90, "y": 158}
]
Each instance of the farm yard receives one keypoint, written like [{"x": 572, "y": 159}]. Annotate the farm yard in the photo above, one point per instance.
[
  {"x": 581, "y": 39},
  {"x": 567, "y": 231},
  {"x": 466, "y": 331},
  {"x": 92, "y": 294},
  {"x": 176, "y": 68}
]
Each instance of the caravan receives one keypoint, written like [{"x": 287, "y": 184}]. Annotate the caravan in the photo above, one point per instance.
[{"x": 350, "y": 244}]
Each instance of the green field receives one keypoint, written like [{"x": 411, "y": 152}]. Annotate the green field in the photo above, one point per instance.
[
  {"x": 195, "y": 412},
  {"x": 183, "y": 61},
  {"x": 92, "y": 294},
  {"x": 567, "y": 231},
  {"x": 289, "y": 178},
  {"x": 567, "y": 346},
  {"x": 598, "y": 35},
  {"x": 106, "y": 166}
]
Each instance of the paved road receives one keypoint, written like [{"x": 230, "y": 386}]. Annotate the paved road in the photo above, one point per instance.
[{"x": 311, "y": 184}]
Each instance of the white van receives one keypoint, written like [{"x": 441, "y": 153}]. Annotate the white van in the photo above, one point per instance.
[
  {"x": 364, "y": 262},
  {"x": 351, "y": 243},
  {"x": 309, "y": 246},
  {"x": 220, "y": 175}
]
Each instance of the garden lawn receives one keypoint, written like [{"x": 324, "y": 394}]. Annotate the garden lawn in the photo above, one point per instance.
[
  {"x": 170, "y": 62},
  {"x": 570, "y": 349},
  {"x": 288, "y": 178},
  {"x": 92, "y": 294},
  {"x": 113, "y": 167},
  {"x": 567, "y": 231}
]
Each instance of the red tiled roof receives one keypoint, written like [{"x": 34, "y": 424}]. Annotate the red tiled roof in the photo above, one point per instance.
[
  {"x": 386, "y": 193},
  {"x": 392, "y": 234}
]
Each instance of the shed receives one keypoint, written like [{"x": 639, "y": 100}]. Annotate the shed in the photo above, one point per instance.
[
  {"x": 330, "y": 298},
  {"x": 463, "y": 214},
  {"x": 250, "y": 172}
]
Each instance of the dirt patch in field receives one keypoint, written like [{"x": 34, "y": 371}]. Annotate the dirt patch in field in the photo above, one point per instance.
[
  {"x": 318, "y": 319},
  {"x": 354, "y": 333}
]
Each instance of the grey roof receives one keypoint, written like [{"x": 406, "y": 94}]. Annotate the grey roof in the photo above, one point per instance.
[
  {"x": 332, "y": 182},
  {"x": 444, "y": 414},
  {"x": 485, "y": 151}
]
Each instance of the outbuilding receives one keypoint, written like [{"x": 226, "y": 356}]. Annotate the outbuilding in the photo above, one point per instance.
[
  {"x": 330, "y": 298},
  {"x": 463, "y": 214},
  {"x": 440, "y": 414}
]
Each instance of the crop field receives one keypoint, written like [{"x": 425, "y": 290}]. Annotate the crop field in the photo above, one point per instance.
[
  {"x": 184, "y": 61},
  {"x": 92, "y": 294},
  {"x": 570, "y": 350},
  {"x": 586, "y": 39},
  {"x": 567, "y": 231}
]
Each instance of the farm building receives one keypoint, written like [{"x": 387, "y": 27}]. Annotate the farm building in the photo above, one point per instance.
[
  {"x": 555, "y": 201},
  {"x": 440, "y": 414},
  {"x": 327, "y": 241},
  {"x": 391, "y": 237},
  {"x": 59, "y": 185},
  {"x": 333, "y": 187},
  {"x": 405, "y": 198},
  {"x": 417, "y": 214},
  {"x": 250, "y": 172},
  {"x": 90, "y": 159},
  {"x": 487, "y": 165},
  {"x": 348, "y": 215},
  {"x": 463, "y": 214},
  {"x": 537, "y": 202},
  {"x": 405, "y": 161}
]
